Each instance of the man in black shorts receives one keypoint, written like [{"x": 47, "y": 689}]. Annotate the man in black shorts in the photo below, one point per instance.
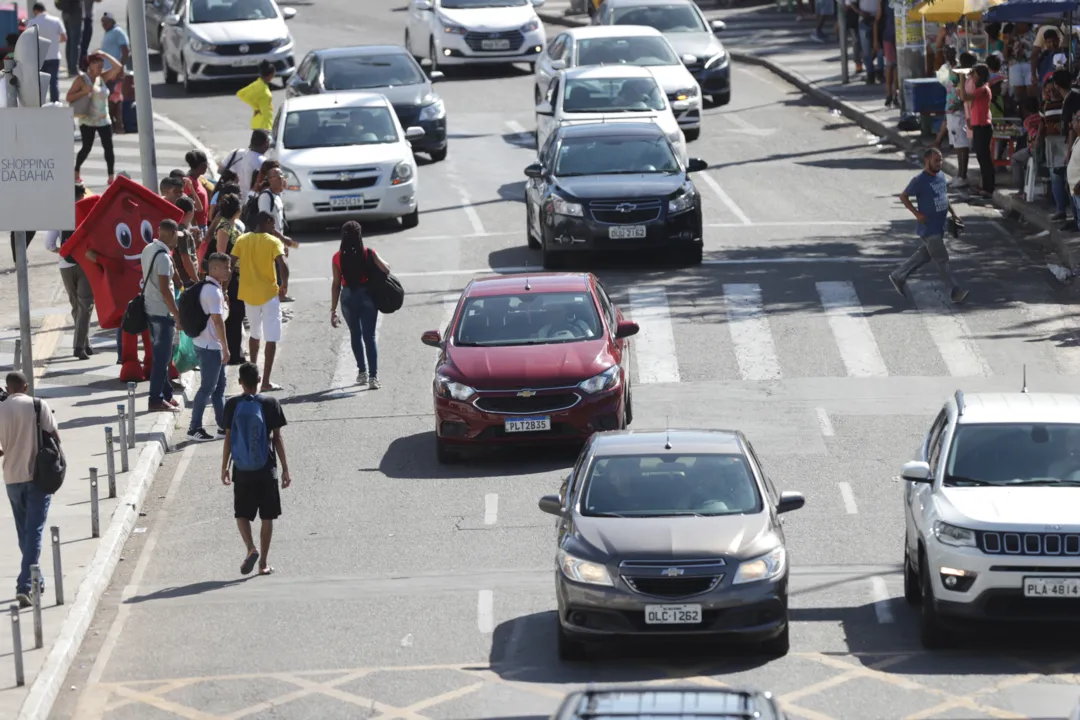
[{"x": 253, "y": 446}]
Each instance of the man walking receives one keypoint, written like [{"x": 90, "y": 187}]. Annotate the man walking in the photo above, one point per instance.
[
  {"x": 80, "y": 294},
  {"x": 71, "y": 13},
  {"x": 211, "y": 348},
  {"x": 87, "y": 27},
  {"x": 867, "y": 11},
  {"x": 253, "y": 446},
  {"x": 260, "y": 258},
  {"x": 19, "y": 446},
  {"x": 931, "y": 193},
  {"x": 161, "y": 311},
  {"x": 258, "y": 97},
  {"x": 52, "y": 29}
]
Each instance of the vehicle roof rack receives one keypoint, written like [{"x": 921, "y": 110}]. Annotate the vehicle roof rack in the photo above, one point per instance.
[{"x": 960, "y": 403}]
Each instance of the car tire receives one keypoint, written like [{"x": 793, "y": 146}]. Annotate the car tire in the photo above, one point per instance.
[
  {"x": 408, "y": 222},
  {"x": 536, "y": 95},
  {"x": 444, "y": 455},
  {"x": 433, "y": 57},
  {"x": 778, "y": 646},
  {"x": 912, "y": 593},
  {"x": 932, "y": 632},
  {"x": 692, "y": 134},
  {"x": 439, "y": 155},
  {"x": 628, "y": 413},
  {"x": 534, "y": 244},
  {"x": 571, "y": 650},
  {"x": 694, "y": 255}
]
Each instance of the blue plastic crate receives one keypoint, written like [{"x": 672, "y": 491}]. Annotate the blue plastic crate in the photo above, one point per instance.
[{"x": 925, "y": 95}]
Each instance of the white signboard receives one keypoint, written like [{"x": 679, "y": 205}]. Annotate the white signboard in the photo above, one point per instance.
[{"x": 37, "y": 169}]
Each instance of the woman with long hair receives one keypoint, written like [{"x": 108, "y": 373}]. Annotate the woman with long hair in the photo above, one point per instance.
[
  {"x": 89, "y": 97},
  {"x": 226, "y": 231},
  {"x": 198, "y": 165},
  {"x": 352, "y": 265}
]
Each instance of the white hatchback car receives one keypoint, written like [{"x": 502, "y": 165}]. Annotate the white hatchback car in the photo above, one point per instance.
[
  {"x": 992, "y": 508},
  {"x": 463, "y": 32},
  {"x": 620, "y": 93},
  {"x": 346, "y": 157}
]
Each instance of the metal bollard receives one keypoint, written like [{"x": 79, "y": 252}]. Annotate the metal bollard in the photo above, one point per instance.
[
  {"x": 35, "y": 600},
  {"x": 121, "y": 415},
  {"x": 18, "y": 354},
  {"x": 131, "y": 415},
  {"x": 95, "y": 531},
  {"x": 16, "y": 645},
  {"x": 110, "y": 457},
  {"x": 58, "y": 573}
]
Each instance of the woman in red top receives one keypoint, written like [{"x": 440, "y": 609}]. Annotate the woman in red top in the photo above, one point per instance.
[
  {"x": 197, "y": 167},
  {"x": 977, "y": 92},
  {"x": 351, "y": 266}
]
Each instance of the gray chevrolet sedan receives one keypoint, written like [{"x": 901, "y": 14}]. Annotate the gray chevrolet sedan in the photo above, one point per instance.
[{"x": 670, "y": 533}]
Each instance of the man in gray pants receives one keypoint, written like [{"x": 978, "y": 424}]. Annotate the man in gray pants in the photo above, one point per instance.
[
  {"x": 79, "y": 292},
  {"x": 71, "y": 12}
]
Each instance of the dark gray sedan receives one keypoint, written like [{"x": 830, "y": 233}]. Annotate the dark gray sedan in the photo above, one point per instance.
[{"x": 670, "y": 533}]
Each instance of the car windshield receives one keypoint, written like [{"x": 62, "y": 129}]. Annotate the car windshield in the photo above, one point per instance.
[
  {"x": 640, "y": 51},
  {"x": 530, "y": 318},
  {"x": 612, "y": 155},
  {"x": 336, "y": 127},
  {"x": 1014, "y": 454},
  {"x": 665, "y": 18},
  {"x": 613, "y": 95},
  {"x": 217, "y": 11},
  {"x": 669, "y": 485},
  {"x": 370, "y": 71},
  {"x": 465, "y": 4}
]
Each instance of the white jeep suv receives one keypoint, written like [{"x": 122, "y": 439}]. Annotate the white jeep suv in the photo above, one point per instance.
[{"x": 992, "y": 511}]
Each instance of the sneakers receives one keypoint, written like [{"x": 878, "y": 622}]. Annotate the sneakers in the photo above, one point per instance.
[
  {"x": 361, "y": 377},
  {"x": 200, "y": 435},
  {"x": 373, "y": 383},
  {"x": 24, "y": 600},
  {"x": 958, "y": 295},
  {"x": 162, "y": 407},
  {"x": 1057, "y": 217},
  {"x": 818, "y": 37},
  {"x": 899, "y": 285},
  {"x": 220, "y": 432}
]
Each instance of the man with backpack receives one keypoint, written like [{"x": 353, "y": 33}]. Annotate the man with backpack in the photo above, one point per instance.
[
  {"x": 202, "y": 313},
  {"x": 253, "y": 448},
  {"x": 247, "y": 162}
]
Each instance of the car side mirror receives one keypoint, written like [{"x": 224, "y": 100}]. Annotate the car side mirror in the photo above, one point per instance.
[
  {"x": 432, "y": 338},
  {"x": 424, "y": 5},
  {"x": 689, "y": 59},
  {"x": 917, "y": 471},
  {"x": 626, "y": 329},
  {"x": 696, "y": 165},
  {"x": 718, "y": 26},
  {"x": 288, "y": 13},
  {"x": 437, "y": 76},
  {"x": 172, "y": 20},
  {"x": 545, "y": 108},
  {"x": 551, "y": 504},
  {"x": 414, "y": 133},
  {"x": 534, "y": 171},
  {"x": 790, "y": 501},
  {"x": 680, "y": 105},
  {"x": 558, "y": 64},
  {"x": 538, "y": 3}
]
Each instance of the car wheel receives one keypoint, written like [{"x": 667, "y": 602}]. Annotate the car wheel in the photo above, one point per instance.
[
  {"x": 692, "y": 134},
  {"x": 408, "y": 222},
  {"x": 433, "y": 57},
  {"x": 778, "y": 646},
  {"x": 439, "y": 155},
  {"x": 932, "y": 632},
  {"x": 694, "y": 255},
  {"x": 912, "y": 593},
  {"x": 571, "y": 650},
  {"x": 628, "y": 413},
  {"x": 444, "y": 455},
  {"x": 534, "y": 244},
  {"x": 536, "y": 95}
]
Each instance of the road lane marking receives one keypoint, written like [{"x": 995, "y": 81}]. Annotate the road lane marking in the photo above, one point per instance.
[
  {"x": 655, "y": 342},
  {"x": 485, "y": 612},
  {"x": 491, "y": 508},
  {"x": 750, "y": 333},
  {"x": 725, "y": 198},
  {"x": 1050, "y": 321},
  {"x": 882, "y": 600},
  {"x": 852, "y": 332},
  {"x": 745, "y": 127},
  {"x": 466, "y": 204},
  {"x": 948, "y": 330},
  {"x": 825, "y": 423},
  {"x": 848, "y": 497}
]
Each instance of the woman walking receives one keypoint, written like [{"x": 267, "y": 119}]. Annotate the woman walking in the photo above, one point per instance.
[
  {"x": 351, "y": 266},
  {"x": 89, "y": 98},
  {"x": 226, "y": 231}
]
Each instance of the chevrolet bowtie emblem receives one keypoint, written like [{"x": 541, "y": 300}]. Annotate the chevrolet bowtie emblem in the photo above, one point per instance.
[
  {"x": 244, "y": 49},
  {"x": 673, "y": 572},
  {"x": 345, "y": 177},
  {"x": 526, "y": 393},
  {"x": 625, "y": 207}
]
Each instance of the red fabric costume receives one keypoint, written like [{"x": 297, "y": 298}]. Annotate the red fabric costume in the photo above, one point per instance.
[{"x": 116, "y": 226}]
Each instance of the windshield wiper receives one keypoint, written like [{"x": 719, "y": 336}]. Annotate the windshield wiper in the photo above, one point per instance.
[
  {"x": 604, "y": 514},
  {"x": 681, "y": 513},
  {"x": 1043, "y": 481},
  {"x": 967, "y": 481}
]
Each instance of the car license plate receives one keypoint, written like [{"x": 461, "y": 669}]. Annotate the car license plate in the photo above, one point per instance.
[
  {"x": 347, "y": 201},
  {"x": 672, "y": 614},
  {"x": 623, "y": 232},
  {"x": 244, "y": 62},
  {"x": 494, "y": 44},
  {"x": 528, "y": 424},
  {"x": 1052, "y": 587}
]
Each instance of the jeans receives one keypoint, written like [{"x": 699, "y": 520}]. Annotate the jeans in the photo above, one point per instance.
[
  {"x": 161, "y": 343},
  {"x": 30, "y": 506},
  {"x": 1059, "y": 186},
  {"x": 74, "y": 25},
  {"x": 982, "y": 137},
  {"x": 87, "y": 35},
  {"x": 932, "y": 248},
  {"x": 53, "y": 68},
  {"x": 866, "y": 40},
  {"x": 211, "y": 386},
  {"x": 360, "y": 313},
  {"x": 81, "y": 298}
]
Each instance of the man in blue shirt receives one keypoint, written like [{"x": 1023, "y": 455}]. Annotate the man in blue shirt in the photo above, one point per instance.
[
  {"x": 115, "y": 41},
  {"x": 930, "y": 191}
]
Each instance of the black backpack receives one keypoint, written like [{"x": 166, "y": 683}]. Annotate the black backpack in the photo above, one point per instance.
[
  {"x": 193, "y": 319},
  {"x": 385, "y": 289},
  {"x": 250, "y": 216},
  {"x": 234, "y": 158},
  {"x": 135, "y": 320},
  {"x": 50, "y": 466}
]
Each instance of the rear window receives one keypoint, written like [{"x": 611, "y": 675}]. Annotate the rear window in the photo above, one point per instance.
[
  {"x": 668, "y": 485},
  {"x": 641, "y": 51},
  {"x": 528, "y": 319}
]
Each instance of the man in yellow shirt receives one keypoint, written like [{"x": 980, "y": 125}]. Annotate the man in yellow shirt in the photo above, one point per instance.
[
  {"x": 259, "y": 98},
  {"x": 260, "y": 257}
]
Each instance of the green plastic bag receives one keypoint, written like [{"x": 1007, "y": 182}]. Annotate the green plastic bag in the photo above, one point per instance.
[{"x": 184, "y": 357}]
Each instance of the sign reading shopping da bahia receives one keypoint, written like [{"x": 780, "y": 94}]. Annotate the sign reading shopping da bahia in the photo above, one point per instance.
[{"x": 37, "y": 169}]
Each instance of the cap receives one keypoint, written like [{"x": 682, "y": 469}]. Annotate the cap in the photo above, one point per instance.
[{"x": 108, "y": 16}]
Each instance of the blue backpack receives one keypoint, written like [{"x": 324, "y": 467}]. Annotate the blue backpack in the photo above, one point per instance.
[{"x": 248, "y": 436}]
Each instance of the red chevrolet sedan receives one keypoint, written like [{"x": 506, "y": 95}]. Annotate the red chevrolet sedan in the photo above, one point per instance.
[{"x": 531, "y": 359}]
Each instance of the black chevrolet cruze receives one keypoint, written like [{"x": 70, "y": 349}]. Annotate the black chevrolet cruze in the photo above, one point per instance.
[{"x": 612, "y": 187}]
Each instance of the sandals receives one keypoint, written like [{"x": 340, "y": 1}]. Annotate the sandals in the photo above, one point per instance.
[
  {"x": 268, "y": 570},
  {"x": 249, "y": 562},
  {"x": 270, "y": 387}
]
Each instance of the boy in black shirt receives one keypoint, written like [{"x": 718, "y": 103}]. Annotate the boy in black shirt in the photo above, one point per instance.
[{"x": 255, "y": 491}]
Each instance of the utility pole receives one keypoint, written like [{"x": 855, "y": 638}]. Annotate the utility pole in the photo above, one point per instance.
[
  {"x": 144, "y": 105},
  {"x": 841, "y": 16}
]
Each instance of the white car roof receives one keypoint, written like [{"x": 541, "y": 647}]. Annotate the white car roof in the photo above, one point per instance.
[
  {"x": 599, "y": 31},
  {"x": 1017, "y": 407},
  {"x": 327, "y": 101},
  {"x": 603, "y": 72}
]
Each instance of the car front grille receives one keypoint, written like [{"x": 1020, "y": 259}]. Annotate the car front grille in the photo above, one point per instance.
[
  {"x": 260, "y": 48},
  {"x": 673, "y": 587},
  {"x": 475, "y": 40},
  {"x": 1011, "y": 543},
  {"x": 529, "y": 405},
  {"x": 625, "y": 212},
  {"x": 408, "y": 115},
  {"x": 351, "y": 184},
  {"x": 673, "y": 578}
]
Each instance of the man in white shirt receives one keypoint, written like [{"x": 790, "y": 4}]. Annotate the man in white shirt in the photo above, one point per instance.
[
  {"x": 19, "y": 446},
  {"x": 80, "y": 294},
  {"x": 160, "y": 301},
  {"x": 52, "y": 29},
  {"x": 246, "y": 163},
  {"x": 212, "y": 352}
]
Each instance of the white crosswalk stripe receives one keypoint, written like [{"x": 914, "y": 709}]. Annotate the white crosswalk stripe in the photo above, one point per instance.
[
  {"x": 856, "y": 341},
  {"x": 655, "y": 343},
  {"x": 750, "y": 333},
  {"x": 948, "y": 330}
]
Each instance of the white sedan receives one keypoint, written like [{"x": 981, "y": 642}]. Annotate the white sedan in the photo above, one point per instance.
[
  {"x": 462, "y": 32},
  {"x": 345, "y": 156},
  {"x": 619, "y": 93}
]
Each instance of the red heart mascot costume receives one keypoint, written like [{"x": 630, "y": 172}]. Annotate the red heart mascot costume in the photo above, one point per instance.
[{"x": 114, "y": 228}]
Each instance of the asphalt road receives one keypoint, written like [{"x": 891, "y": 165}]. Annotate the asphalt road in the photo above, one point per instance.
[{"x": 409, "y": 590}]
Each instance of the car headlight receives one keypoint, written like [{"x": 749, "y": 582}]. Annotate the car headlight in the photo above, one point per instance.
[
  {"x": 583, "y": 571},
  {"x": 199, "y": 45},
  {"x": 447, "y": 388},
  {"x": 434, "y": 111},
  {"x": 402, "y": 174},
  {"x": 686, "y": 93},
  {"x": 561, "y": 207},
  {"x": 685, "y": 201},
  {"x": 717, "y": 61},
  {"x": 599, "y": 383},
  {"x": 769, "y": 566},
  {"x": 452, "y": 28},
  {"x": 292, "y": 182},
  {"x": 952, "y": 535},
  {"x": 531, "y": 25},
  {"x": 281, "y": 42}
]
